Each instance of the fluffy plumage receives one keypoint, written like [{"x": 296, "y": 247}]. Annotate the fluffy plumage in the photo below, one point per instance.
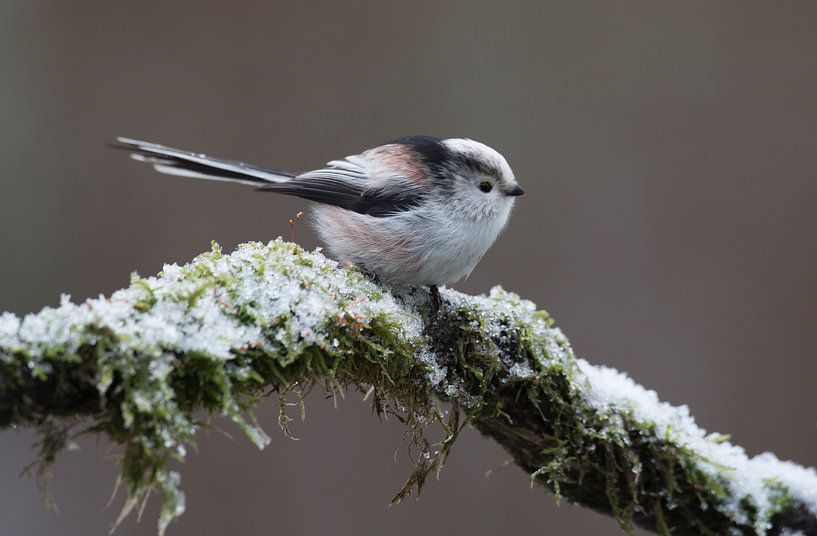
[{"x": 415, "y": 211}]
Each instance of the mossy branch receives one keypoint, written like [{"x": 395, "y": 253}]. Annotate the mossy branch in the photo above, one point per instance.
[{"x": 224, "y": 331}]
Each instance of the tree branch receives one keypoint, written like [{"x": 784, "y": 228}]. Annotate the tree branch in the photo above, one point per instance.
[{"x": 220, "y": 333}]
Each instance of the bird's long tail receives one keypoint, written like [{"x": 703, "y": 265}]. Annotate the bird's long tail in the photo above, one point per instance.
[{"x": 199, "y": 166}]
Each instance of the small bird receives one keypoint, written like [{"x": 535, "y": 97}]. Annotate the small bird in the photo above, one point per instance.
[{"x": 414, "y": 211}]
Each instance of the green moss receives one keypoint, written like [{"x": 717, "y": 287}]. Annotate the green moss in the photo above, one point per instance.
[{"x": 145, "y": 400}]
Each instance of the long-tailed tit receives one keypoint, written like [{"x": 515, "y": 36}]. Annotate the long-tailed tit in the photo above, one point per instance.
[{"x": 415, "y": 211}]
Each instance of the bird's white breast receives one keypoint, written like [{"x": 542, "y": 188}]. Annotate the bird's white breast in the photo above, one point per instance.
[{"x": 432, "y": 245}]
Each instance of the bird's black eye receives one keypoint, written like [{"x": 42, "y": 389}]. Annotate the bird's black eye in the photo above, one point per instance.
[{"x": 486, "y": 186}]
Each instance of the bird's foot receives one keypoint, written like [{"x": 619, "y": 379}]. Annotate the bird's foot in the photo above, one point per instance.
[
  {"x": 368, "y": 273},
  {"x": 436, "y": 300}
]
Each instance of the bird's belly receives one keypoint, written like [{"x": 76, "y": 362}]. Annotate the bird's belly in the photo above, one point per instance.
[{"x": 403, "y": 250}]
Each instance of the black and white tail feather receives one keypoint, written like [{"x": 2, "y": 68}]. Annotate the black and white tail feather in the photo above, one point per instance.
[
  {"x": 342, "y": 183},
  {"x": 199, "y": 166}
]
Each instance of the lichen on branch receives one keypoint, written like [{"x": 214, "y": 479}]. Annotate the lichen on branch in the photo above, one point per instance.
[{"x": 217, "y": 335}]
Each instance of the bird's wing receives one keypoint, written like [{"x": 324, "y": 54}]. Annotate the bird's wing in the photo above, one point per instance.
[
  {"x": 199, "y": 166},
  {"x": 348, "y": 184}
]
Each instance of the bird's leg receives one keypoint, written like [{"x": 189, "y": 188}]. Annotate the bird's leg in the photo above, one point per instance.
[
  {"x": 436, "y": 301},
  {"x": 367, "y": 273}
]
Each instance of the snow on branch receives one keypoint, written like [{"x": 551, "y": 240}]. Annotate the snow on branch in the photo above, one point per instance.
[{"x": 224, "y": 331}]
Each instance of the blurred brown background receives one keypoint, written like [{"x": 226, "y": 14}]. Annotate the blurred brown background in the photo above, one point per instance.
[{"x": 669, "y": 155}]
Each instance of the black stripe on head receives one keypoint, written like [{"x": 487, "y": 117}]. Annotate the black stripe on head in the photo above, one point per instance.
[
  {"x": 476, "y": 165},
  {"x": 431, "y": 150}
]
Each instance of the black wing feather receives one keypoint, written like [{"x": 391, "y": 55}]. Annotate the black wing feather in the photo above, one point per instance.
[{"x": 345, "y": 194}]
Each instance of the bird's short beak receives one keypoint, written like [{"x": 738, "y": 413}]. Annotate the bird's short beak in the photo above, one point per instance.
[{"x": 515, "y": 191}]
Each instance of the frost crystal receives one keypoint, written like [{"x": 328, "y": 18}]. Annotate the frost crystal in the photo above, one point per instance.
[
  {"x": 9, "y": 325},
  {"x": 521, "y": 371},
  {"x": 436, "y": 373}
]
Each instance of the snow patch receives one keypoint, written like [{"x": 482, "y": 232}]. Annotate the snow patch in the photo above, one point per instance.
[{"x": 609, "y": 390}]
